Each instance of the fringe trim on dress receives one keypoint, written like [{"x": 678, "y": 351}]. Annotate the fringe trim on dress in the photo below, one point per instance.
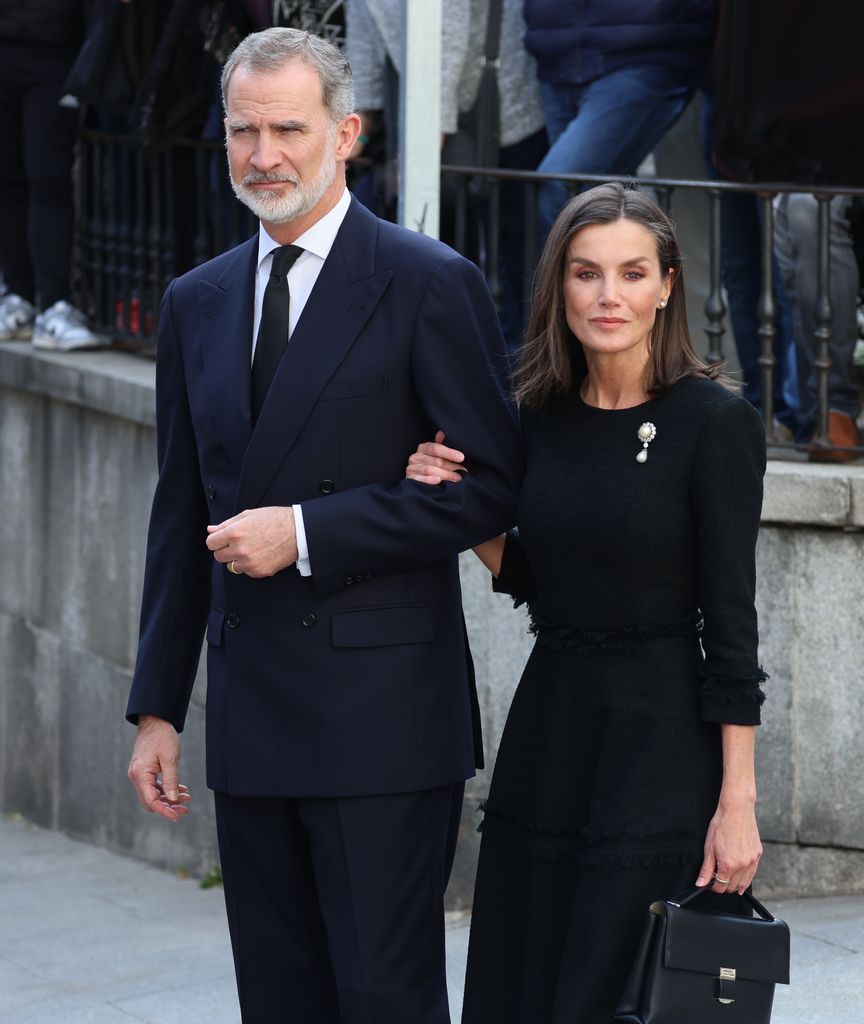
[
  {"x": 735, "y": 690},
  {"x": 558, "y": 635},
  {"x": 590, "y": 850}
]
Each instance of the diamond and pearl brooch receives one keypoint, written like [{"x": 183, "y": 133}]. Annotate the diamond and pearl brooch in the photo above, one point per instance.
[{"x": 646, "y": 434}]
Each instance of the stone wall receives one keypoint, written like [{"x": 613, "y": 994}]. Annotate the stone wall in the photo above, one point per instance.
[{"x": 77, "y": 469}]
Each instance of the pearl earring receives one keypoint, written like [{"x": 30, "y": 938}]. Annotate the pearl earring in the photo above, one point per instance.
[{"x": 661, "y": 305}]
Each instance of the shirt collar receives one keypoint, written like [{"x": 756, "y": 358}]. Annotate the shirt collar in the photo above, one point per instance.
[{"x": 318, "y": 239}]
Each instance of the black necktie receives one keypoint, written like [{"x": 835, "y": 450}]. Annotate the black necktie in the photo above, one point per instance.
[{"x": 273, "y": 330}]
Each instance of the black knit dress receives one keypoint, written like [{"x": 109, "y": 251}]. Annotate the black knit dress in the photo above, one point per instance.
[{"x": 610, "y": 764}]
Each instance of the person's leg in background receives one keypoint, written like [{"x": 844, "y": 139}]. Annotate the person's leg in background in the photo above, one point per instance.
[
  {"x": 17, "y": 307},
  {"x": 741, "y": 226},
  {"x": 513, "y": 273},
  {"x": 614, "y": 123},
  {"x": 43, "y": 262},
  {"x": 796, "y": 246}
]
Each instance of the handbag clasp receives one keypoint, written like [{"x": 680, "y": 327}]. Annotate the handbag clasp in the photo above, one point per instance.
[{"x": 724, "y": 986}]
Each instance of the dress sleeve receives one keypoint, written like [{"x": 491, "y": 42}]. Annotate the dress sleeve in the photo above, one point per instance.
[
  {"x": 727, "y": 501},
  {"x": 516, "y": 577}
]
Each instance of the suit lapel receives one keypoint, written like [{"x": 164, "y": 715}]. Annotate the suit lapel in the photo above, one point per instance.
[
  {"x": 344, "y": 296},
  {"x": 226, "y": 306}
]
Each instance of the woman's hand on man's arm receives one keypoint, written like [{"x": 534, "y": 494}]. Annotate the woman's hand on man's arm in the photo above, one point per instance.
[{"x": 435, "y": 463}]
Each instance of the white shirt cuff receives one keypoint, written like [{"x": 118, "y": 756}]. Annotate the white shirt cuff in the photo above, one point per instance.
[{"x": 303, "y": 566}]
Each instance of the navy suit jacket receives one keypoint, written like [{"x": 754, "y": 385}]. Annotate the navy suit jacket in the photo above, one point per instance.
[{"x": 358, "y": 679}]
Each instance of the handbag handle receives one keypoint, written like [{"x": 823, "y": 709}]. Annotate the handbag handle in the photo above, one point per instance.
[{"x": 697, "y": 890}]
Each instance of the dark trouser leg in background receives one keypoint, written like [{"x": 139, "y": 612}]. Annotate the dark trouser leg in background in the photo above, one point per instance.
[{"x": 36, "y": 196}]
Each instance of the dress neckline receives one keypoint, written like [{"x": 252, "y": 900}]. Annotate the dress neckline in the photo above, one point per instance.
[{"x": 628, "y": 408}]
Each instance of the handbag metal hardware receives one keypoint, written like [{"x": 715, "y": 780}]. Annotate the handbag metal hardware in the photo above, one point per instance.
[{"x": 726, "y": 974}]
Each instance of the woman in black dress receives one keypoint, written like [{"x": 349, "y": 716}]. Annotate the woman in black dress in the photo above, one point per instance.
[{"x": 625, "y": 772}]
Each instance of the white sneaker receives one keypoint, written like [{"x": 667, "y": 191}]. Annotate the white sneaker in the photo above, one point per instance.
[
  {"x": 64, "y": 328},
  {"x": 16, "y": 318}
]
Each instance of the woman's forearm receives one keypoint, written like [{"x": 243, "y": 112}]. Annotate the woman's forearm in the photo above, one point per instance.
[
  {"x": 739, "y": 764},
  {"x": 490, "y": 553}
]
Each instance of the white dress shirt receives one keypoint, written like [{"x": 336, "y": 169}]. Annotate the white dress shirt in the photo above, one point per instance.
[{"x": 316, "y": 243}]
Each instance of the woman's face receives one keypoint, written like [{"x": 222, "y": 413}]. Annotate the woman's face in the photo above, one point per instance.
[{"x": 613, "y": 287}]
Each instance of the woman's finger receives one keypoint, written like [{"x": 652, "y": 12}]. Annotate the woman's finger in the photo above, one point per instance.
[
  {"x": 430, "y": 463},
  {"x": 440, "y": 451}
]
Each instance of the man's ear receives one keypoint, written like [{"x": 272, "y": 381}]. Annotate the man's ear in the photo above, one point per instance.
[{"x": 347, "y": 132}]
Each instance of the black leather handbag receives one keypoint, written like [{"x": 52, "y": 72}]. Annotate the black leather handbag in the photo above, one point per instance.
[{"x": 698, "y": 968}]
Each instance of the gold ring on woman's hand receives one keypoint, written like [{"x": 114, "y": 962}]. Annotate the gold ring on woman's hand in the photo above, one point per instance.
[
  {"x": 722, "y": 881},
  {"x": 235, "y": 572}
]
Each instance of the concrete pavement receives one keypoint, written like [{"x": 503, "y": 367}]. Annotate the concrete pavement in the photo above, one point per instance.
[{"x": 91, "y": 937}]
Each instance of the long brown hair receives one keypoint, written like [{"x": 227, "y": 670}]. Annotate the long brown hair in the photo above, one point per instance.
[{"x": 552, "y": 359}]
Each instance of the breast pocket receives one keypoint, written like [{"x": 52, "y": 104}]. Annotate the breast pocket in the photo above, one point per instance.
[{"x": 363, "y": 387}]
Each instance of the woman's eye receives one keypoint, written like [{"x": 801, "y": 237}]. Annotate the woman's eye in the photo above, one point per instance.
[
  {"x": 585, "y": 275},
  {"x": 634, "y": 275}
]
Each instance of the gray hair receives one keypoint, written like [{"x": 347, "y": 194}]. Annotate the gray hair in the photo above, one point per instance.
[{"x": 273, "y": 48}]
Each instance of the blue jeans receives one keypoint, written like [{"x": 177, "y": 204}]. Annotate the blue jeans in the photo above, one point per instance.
[
  {"x": 796, "y": 241},
  {"x": 607, "y": 126},
  {"x": 741, "y": 225}
]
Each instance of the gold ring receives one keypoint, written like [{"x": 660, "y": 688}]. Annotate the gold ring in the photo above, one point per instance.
[
  {"x": 722, "y": 881},
  {"x": 232, "y": 570}
]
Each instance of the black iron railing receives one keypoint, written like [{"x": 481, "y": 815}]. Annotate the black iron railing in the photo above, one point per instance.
[{"x": 145, "y": 216}]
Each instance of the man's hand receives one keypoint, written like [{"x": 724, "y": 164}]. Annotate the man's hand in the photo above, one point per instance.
[
  {"x": 258, "y": 542},
  {"x": 153, "y": 768}
]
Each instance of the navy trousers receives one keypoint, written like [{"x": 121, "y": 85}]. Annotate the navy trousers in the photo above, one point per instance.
[{"x": 336, "y": 905}]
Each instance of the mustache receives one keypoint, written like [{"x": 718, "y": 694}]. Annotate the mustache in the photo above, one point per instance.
[{"x": 268, "y": 178}]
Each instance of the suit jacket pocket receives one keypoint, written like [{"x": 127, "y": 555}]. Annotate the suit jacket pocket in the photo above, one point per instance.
[
  {"x": 363, "y": 387},
  {"x": 382, "y": 627}
]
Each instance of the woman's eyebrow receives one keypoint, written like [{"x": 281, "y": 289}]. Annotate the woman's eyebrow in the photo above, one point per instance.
[{"x": 625, "y": 263}]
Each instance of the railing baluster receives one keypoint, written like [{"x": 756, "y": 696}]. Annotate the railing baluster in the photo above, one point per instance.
[
  {"x": 97, "y": 255},
  {"x": 202, "y": 193},
  {"x": 146, "y": 313},
  {"x": 154, "y": 234},
  {"x": 126, "y": 321},
  {"x": 493, "y": 240},
  {"x": 766, "y": 314},
  {"x": 824, "y": 315},
  {"x": 715, "y": 305},
  {"x": 169, "y": 221},
  {"x": 531, "y": 253},
  {"x": 461, "y": 231},
  {"x": 80, "y": 258}
]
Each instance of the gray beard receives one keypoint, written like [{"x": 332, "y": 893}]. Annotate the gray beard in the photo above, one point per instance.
[{"x": 297, "y": 202}]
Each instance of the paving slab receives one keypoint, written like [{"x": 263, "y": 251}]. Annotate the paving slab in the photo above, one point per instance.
[{"x": 92, "y": 937}]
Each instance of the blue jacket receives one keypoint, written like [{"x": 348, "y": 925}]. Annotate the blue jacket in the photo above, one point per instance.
[{"x": 577, "y": 41}]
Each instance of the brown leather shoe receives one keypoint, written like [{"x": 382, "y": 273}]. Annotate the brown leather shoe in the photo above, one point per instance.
[{"x": 843, "y": 437}]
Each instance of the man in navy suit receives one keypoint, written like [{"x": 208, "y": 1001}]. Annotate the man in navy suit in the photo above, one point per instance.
[{"x": 341, "y": 710}]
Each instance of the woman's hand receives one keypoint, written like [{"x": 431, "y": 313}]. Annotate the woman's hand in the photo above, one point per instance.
[
  {"x": 732, "y": 847},
  {"x": 434, "y": 463}
]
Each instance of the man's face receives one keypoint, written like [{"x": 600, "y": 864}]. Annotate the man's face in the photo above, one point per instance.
[{"x": 283, "y": 147}]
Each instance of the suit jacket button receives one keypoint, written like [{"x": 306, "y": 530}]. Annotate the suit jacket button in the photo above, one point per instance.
[
  {"x": 211, "y": 492},
  {"x": 326, "y": 487},
  {"x": 347, "y": 580},
  {"x": 232, "y": 621},
  {"x": 367, "y": 576},
  {"x": 309, "y": 619}
]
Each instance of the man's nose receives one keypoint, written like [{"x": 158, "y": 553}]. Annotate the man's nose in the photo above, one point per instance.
[{"x": 266, "y": 155}]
